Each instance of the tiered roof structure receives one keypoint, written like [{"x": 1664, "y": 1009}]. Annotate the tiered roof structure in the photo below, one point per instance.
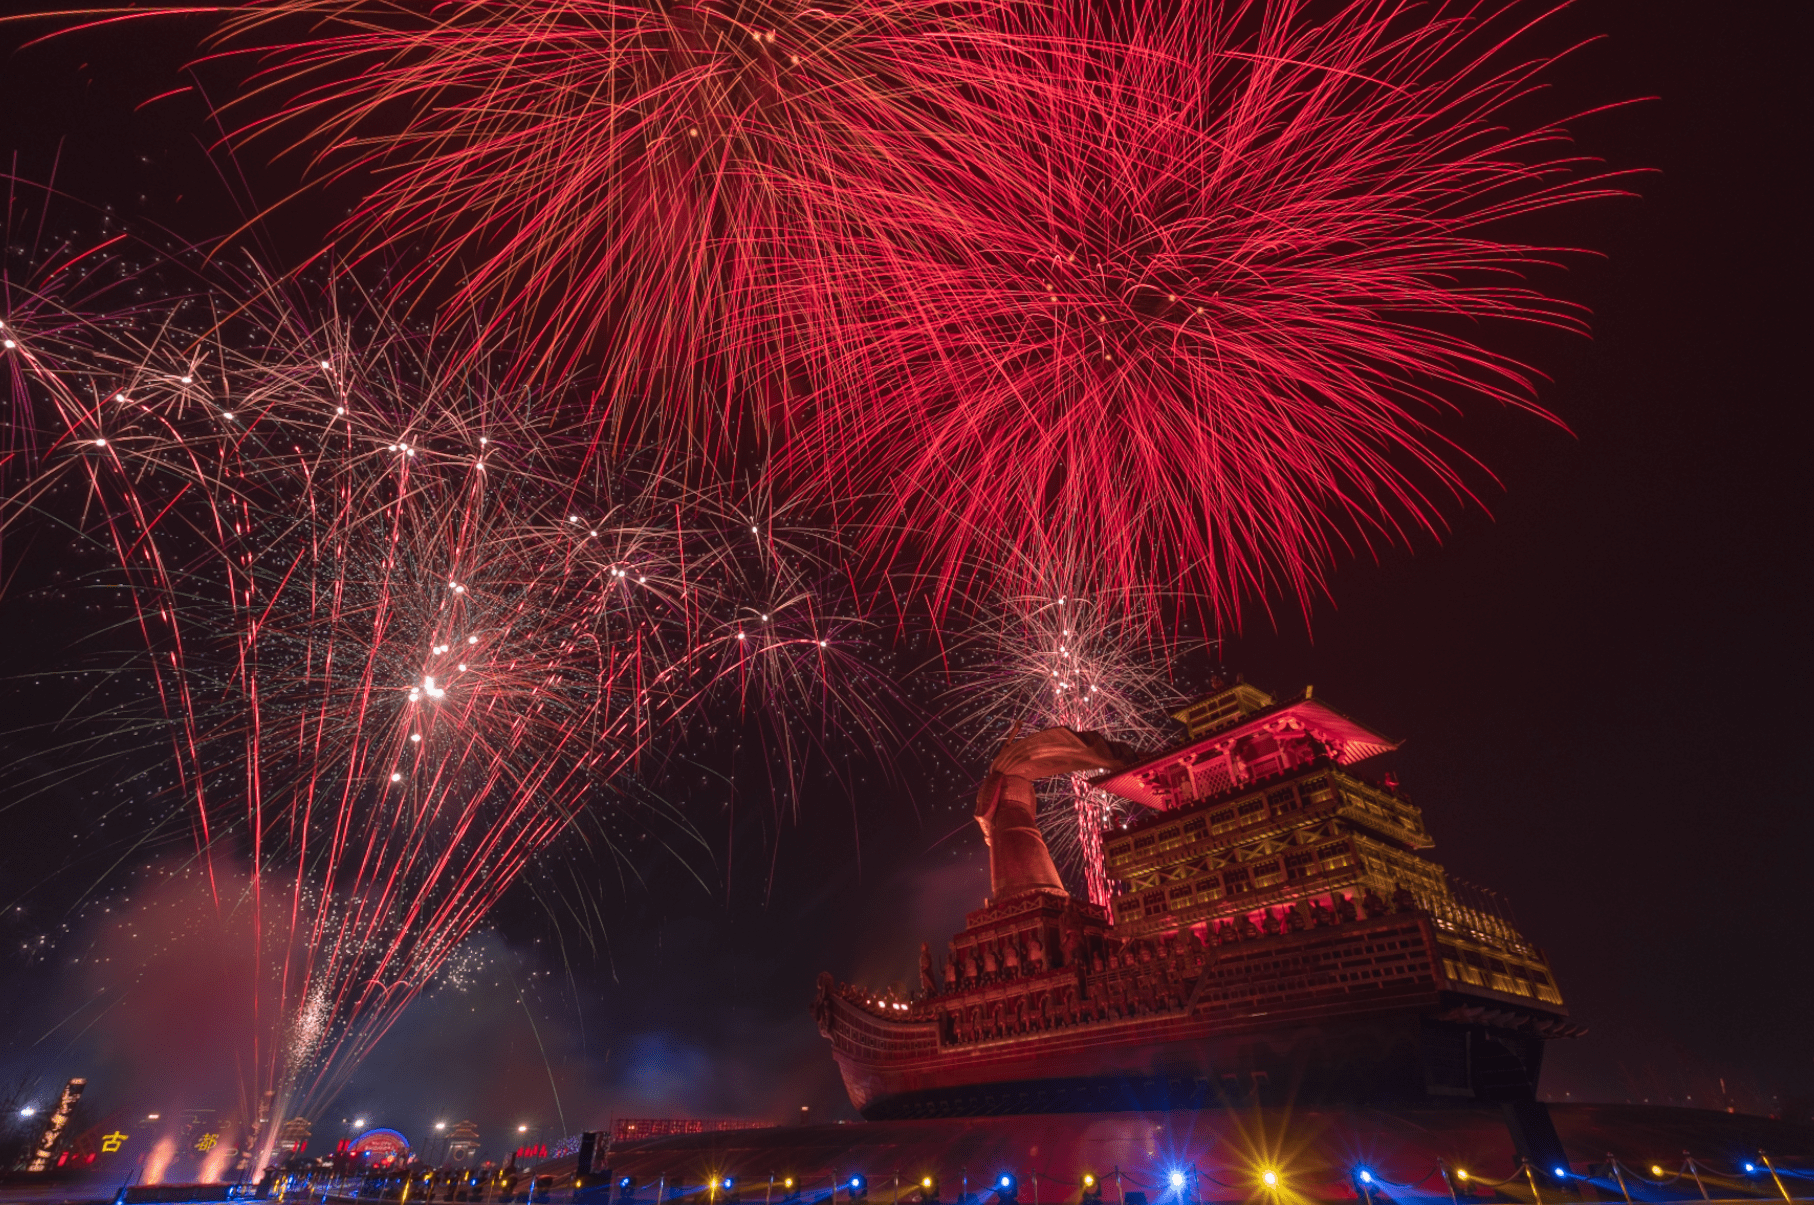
[{"x": 1262, "y": 827}]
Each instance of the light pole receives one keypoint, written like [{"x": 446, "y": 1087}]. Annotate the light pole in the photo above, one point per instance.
[
  {"x": 357, "y": 1123},
  {"x": 522, "y": 1133}
]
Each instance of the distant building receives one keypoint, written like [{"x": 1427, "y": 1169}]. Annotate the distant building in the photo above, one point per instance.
[
  {"x": 293, "y": 1139},
  {"x": 462, "y": 1143}
]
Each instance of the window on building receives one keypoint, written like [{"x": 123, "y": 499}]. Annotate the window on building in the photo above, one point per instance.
[
  {"x": 1335, "y": 857},
  {"x": 1144, "y": 842},
  {"x": 1266, "y": 874},
  {"x": 1283, "y": 801},
  {"x": 1249, "y": 807},
  {"x": 1168, "y": 834},
  {"x": 1195, "y": 826},
  {"x": 1300, "y": 865},
  {"x": 1210, "y": 887},
  {"x": 1154, "y": 903},
  {"x": 1237, "y": 882}
]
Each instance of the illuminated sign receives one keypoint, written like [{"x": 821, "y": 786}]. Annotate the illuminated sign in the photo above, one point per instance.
[
  {"x": 381, "y": 1146},
  {"x": 111, "y": 1142}
]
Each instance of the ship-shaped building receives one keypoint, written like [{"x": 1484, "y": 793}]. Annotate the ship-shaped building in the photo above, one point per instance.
[
  {"x": 1279, "y": 934},
  {"x": 1285, "y": 1000}
]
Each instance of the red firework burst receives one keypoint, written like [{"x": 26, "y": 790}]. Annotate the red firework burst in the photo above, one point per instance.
[
  {"x": 603, "y": 177},
  {"x": 1194, "y": 294}
]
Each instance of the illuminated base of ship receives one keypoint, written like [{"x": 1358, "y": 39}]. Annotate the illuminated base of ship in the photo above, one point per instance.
[{"x": 1356, "y": 1013}]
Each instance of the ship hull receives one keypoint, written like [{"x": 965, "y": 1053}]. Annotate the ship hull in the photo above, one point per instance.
[{"x": 1360, "y": 1013}]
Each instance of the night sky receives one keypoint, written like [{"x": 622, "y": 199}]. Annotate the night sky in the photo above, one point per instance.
[{"x": 1600, "y": 684}]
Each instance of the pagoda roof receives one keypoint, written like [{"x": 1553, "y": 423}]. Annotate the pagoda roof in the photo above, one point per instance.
[{"x": 1346, "y": 740}]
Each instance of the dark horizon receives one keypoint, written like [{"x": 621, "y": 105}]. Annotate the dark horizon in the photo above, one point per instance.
[{"x": 1597, "y": 685}]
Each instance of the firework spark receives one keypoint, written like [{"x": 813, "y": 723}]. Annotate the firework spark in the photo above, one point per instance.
[
  {"x": 399, "y": 638},
  {"x": 1204, "y": 283},
  {"x": 1061, "y": 658},
  {"x": 1201, "y": 295},
  {"x": 604, "y": 177}
]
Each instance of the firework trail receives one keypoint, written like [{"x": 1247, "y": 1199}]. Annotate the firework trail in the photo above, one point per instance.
[
  {"x": 601, "y": 176},
  {"x": 399, "y": 640},
  {"x": 1061, "y": 658},
  {"x": 1201, "y": 291},
  {"x": 1209, "y": 283}
]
